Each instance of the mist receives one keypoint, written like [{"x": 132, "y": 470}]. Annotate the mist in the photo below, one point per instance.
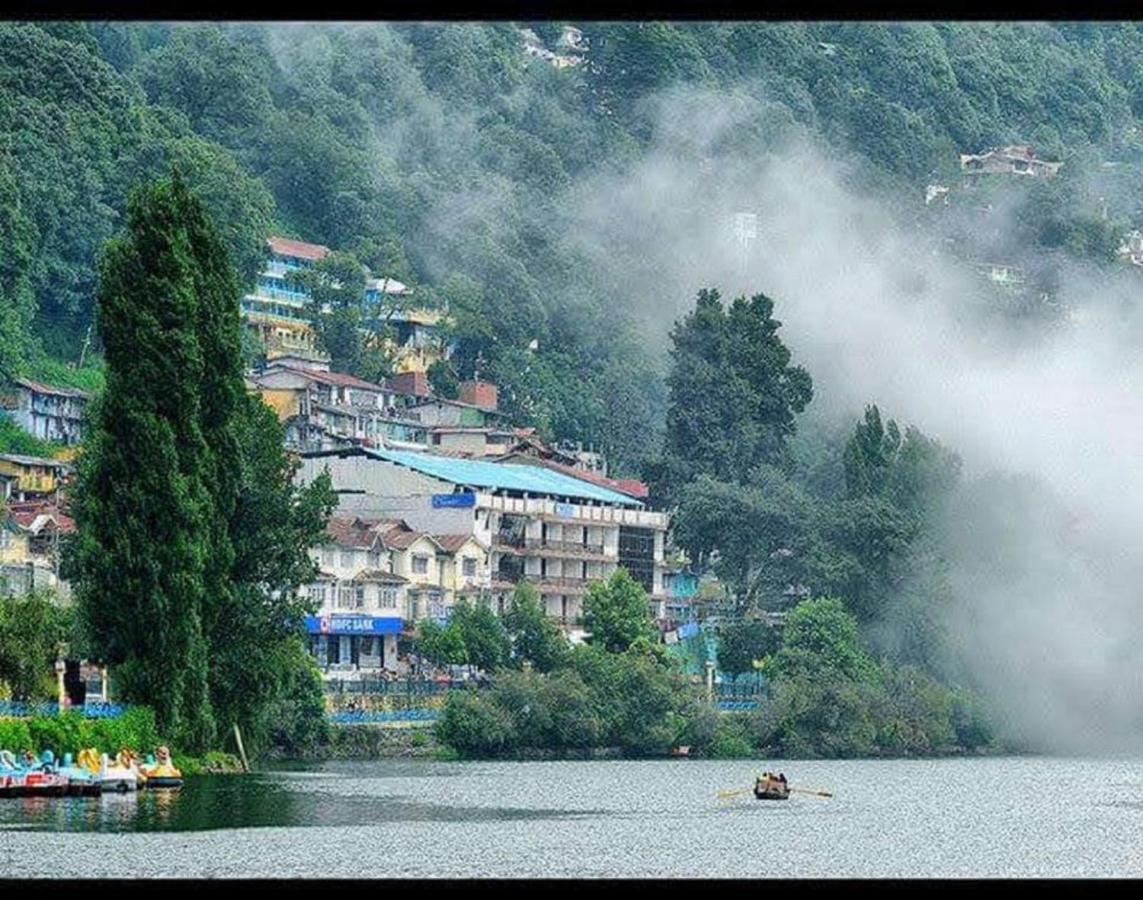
[{"x": 1045, "y": 563}]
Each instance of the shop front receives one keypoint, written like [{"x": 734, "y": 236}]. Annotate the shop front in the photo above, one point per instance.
[{"x": 347, "y": 643}]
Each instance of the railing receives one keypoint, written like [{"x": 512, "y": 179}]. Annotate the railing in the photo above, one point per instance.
[
  {"x": 18, "y": 709},
  {"x": 566, "y": 547},
  {"x": 366, "y": 717},
  {"x": 404, "y": 686}
]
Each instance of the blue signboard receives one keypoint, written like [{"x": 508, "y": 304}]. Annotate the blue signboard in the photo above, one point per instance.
[
  {"x": 353, "y": 625},
  {"x": 443, "y": 500},
  {"x": 565, "y": 510}
]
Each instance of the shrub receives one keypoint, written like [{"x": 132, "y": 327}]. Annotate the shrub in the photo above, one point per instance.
[{"x": 475, "y": 725}]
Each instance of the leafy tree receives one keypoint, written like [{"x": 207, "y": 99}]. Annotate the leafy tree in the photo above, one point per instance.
[
  {"x": 442, "y": 645},
  {"x": 616, "y": 612},
  {"x": 743, "y": 642},
  {"x": 820, "y": 638},
  {"x": 485, "y": 639},
  {"x": 443, "y": 380},
  {"x": 188, "y": 555},
  {"x": 535, "y": 638},
  {"x": 336, "y": 285},
  {"x": 733, "y": 393},
  {"x": 32, "y": 627}
]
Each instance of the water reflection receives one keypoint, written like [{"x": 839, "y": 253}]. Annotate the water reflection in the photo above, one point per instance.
[{"x": 205, "y": 802}]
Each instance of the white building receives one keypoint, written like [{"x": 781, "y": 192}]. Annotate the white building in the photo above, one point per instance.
[
  {"x": 377, "y": 578},
  {"x": 47, "y": 412},
  {"x": 556, "y": 530}
]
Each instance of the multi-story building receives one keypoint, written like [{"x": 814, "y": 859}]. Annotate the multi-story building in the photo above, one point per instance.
[
  {"x": 379, "y": 577},
  {"x": 45, "y": 411},
  {"x": 558, "y": 531},
  {"x": 321, "y": 409},
  {"x": 277, "y": 307},
  {"x": 277, "y": 310}
]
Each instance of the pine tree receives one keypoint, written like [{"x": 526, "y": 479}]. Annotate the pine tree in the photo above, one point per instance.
[
  {"x": 192, "y": 535},
  {"x": 143, "y": 513}
]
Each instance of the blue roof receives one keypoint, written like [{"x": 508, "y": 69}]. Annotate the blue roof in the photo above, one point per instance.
[{"x": 503, "y": 476}]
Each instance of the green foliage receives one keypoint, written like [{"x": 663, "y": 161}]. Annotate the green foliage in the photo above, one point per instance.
[
  {"x": 616, "y": 612},
  {"x": 534, "y": 637},
  {"x": 485, "y": 639},
  {"x": 192, "y": 536},
  {"x": 474, "y": 724},
  {"x": 32, "y": 627},
  {"x": 744, "y": 642},
  {"x": 442, "y": 645},
  {"x": 70, "y": 732},
  {"x": 443, "y": 379},
  {"x": 733, "y": 393},
  {"x": 14, "y": 439}
]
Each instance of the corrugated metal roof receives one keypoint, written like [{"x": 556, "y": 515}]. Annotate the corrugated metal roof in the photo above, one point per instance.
[{"x": 498, "y": 476}]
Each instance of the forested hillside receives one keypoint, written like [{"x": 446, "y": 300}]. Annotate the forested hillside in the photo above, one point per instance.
[{"x": 444, "y": 155}]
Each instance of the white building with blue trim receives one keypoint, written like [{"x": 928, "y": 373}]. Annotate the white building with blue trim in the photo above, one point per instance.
[{"x": 555, "y": 530}]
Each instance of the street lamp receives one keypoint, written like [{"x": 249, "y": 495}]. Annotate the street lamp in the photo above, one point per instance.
[{"x": 61, "y": 667}]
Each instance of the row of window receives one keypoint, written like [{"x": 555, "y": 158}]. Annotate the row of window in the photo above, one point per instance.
[{"x": 330, "y": 557}]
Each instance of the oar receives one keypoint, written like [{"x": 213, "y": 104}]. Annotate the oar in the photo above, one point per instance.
[
  {"x": 812, "y": 793},
  {"x": 724, "y": 795}
]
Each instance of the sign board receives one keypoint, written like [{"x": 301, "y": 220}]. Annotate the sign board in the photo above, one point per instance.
[
  {"x": 440, "y": 501},
  {"x": 352, "y": 625},
  {"x": 565, "y": 510}
]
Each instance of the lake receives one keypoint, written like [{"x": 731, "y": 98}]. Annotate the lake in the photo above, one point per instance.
[{"x": 400, "y": 819}]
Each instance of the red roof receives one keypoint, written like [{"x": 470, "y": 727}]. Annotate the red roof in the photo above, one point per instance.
[
  {"x": 450, "y": 543},
  {"x": 357, "y": 533},
  {"x": 629, "y": 486},
  {"x": 302, "y": 250},
  {"x": 64, "y": 524}
]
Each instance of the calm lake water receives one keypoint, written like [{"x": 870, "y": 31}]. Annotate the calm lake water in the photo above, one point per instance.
[{"x": 911, "y": 818}]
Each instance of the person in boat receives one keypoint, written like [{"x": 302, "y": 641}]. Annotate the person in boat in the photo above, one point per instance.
[{"x": 782, "y": 778}]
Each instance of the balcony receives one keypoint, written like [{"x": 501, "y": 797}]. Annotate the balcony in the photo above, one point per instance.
[
  {"x": 574, "y": 513},
  {"x": 538, "y": 546}
]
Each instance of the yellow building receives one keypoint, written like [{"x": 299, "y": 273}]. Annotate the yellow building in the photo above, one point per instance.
[
  {"x": 32, "y": 474},
  {"x": 13, "y": 544}
]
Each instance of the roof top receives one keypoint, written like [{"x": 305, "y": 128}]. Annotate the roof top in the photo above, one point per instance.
[
  {"x": 33, "y": 460},
  {"x": 338, "y": 378},
  {"x": 300, "y": 249},
  {"x": 36, "y": 521},
  {"x": 450, "y": 543},
  {"x": 379, "y": 575},
  {"x": 630, "y": 486},
  {"x": 358, "y": 532},
  {"x": 40, "y": 388},
  {"x": 496, "y": 476}
]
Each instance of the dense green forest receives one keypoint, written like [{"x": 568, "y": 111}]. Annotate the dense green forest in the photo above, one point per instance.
[{"x": 443, "y": 155}]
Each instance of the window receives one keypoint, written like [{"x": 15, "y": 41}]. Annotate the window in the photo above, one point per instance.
[
  {"x": 346, "y": 559},
  {"x": 317, "y": 593},
  {"x": 345, "y": 598},
  {"x": 388, "y": 598},
  {"x": 375, "y": 559},
  {"x": 420, "y": 565},
  {"x": 469, "y": 567},
  {"x": 359, "y": 597}
]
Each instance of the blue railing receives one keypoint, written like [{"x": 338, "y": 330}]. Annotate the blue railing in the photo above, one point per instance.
[
  {"x": 18, "y": 709},
  {"x": 365, "y": 717}
]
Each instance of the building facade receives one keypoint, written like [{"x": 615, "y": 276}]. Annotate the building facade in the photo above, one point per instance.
[
  {"x": 377, "y": 578},
  {"x": 47, "y": 412},
  {"x": 557, "y": 531}
]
